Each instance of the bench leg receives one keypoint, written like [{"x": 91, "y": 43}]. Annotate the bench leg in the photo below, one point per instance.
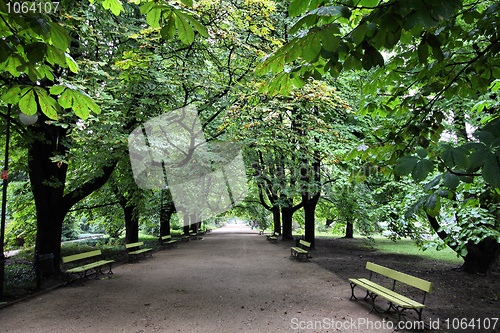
[{"x": 373, "y": 297}]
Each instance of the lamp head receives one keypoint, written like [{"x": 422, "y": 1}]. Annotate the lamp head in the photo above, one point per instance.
[{"x": 28, "y": 120}]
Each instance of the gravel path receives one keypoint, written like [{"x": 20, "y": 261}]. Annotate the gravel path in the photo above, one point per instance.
[{"x": 231, "y": 281}]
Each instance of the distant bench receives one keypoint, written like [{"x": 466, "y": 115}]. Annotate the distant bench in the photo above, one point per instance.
[
  {"x": 273, "y": 237},
  {"x": 90, "y": 264},
  {"x": 397, "y": 301},
  {"x": 135, "y": 249},
  {"x": 167, "y": 241},
  {"x": 301, "y": 251}
]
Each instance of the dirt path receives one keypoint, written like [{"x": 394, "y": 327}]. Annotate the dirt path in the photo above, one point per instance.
[{"x": 231, "y": 281}]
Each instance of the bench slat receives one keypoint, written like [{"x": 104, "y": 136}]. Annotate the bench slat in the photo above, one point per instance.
[
  {"x": 80, "y": 256},
  {"x": 128, "y": 246},
  {"x": 388, "y": 294},
  {"x": 401, "y": 277}
]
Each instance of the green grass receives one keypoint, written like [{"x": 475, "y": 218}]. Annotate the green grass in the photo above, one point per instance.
[
  {"x": 403, "y": 246},
  {"x": 407, "y": 247}
]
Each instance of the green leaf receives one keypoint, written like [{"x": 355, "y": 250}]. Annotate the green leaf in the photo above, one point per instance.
[
  {"x": 59, "y": 37},
  {"x": 405, "y": 165},
  {"x": 73, "y": 66},
  {"x": 368, "y": 3},
  {"x": 445, "y": 194},
  {"x": 423, "y": 52},
  {"x": 80, "y": 102},
  {"x": 433, "y": 183},
  {"x": 450, "y": 180},
  {"x": 115, "y": 6},
  {"x": 186, "y": 33},
  {"x": 48, "y": 105},
  {"x": 330, "y": 42},
  {"x": 476, "y": 159},
  {"x": 491, "y": 170},
  {"x": 57, "y": 90},
  {"x": 331, "y": 11},
  {"x": 421, "y": 170},
  {"x": 56, "y": 56},
  {"x": 13, "y": 95},
  {"x": 41, "y": 26},
  {"x": 147, "y": 7},
  {"x": 13, "y": 63},
  {"x": 422, "y": 153},
  {"x": 36, "y": 51},
  {"x": 188, "y": 3},
  {"x": 460, "y": 157},
  {"x": 197, "y": 25},
  {"x": 297, "y": 7},
  {"x": 27, "y": 103},
  {"x": 168, "y": 30},
  {"x": 432, "y": 205},
  {"x": 153, "y": 18}
]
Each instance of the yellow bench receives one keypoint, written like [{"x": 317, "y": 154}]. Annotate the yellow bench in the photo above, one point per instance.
[
  {"x": 90, "y": 265},
  {"x": 397, "y": 301},
  {"x": 167, "y": 241},
  {"x": 301, "y": 251},
  {"x": 134, "y": 250}
]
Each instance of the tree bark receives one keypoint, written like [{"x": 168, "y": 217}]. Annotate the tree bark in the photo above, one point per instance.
[
  {"x": 310, "y": 197},
  {"x": 309, "y": 218},
  {"x": 287, "y": 214},
  {"x": 48, "y": 181},
  {"x": 483, "y": 257},
  {"x": 167, "y": 209},
  {"x": 277, "y": 219},
  {"x": 349, "y": 230},
  {"x": 131, "y": 223}
]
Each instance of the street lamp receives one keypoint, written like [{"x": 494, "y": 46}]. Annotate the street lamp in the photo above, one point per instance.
[{"x": 27, "y": 120}]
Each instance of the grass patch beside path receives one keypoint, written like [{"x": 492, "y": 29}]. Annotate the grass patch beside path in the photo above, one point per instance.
[{"x": 407, "y": 247}]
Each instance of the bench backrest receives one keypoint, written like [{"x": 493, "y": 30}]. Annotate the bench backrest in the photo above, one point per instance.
[
  {"x": 128, "y": 246},
  {"x": 166, "y": 237},
  {"x": 80, "y": 256},
  {"x": 401, "y": 277},
  {"x": 304, "y": 243}
]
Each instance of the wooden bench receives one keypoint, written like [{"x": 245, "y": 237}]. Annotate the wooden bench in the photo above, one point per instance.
[
  {"x": 134, "y": 250},
  {"x": 301, "y": 251},
  {"x": 273, "y": 237},
  {"x": 397, "y": 301},
  {"x": 167, "y": 241},
  {"x": 90, "y": 264}
]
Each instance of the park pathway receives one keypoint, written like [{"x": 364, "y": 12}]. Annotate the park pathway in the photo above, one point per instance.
[{"x": 232, "y": 280}]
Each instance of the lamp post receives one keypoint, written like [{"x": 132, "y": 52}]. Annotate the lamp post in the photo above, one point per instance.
[
  {"x": 4, "y": 201},
  {"x": 27, "y": 120}
]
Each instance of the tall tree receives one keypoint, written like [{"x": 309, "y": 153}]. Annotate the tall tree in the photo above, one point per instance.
[{"x": 437, "y": 51}]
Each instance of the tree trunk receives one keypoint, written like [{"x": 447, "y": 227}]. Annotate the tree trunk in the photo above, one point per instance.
[
  {"x": 483, "y": 257},
  {"x": 48, "y": 181},
  {"x": 310, "y": 197},
  {"x": 186, "y": 224},
  {"x": 480, "y": 258},
  {"x": 167, "y": 209},
  {"x": 50, "y": 212},
  {"x": 277, "y": 219},
  {"x": 349, "y": 230},
  {"x": 309, "y": 219},
  {"x": 131, "y": 224},
  {"x": 286, "y": 215}
]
